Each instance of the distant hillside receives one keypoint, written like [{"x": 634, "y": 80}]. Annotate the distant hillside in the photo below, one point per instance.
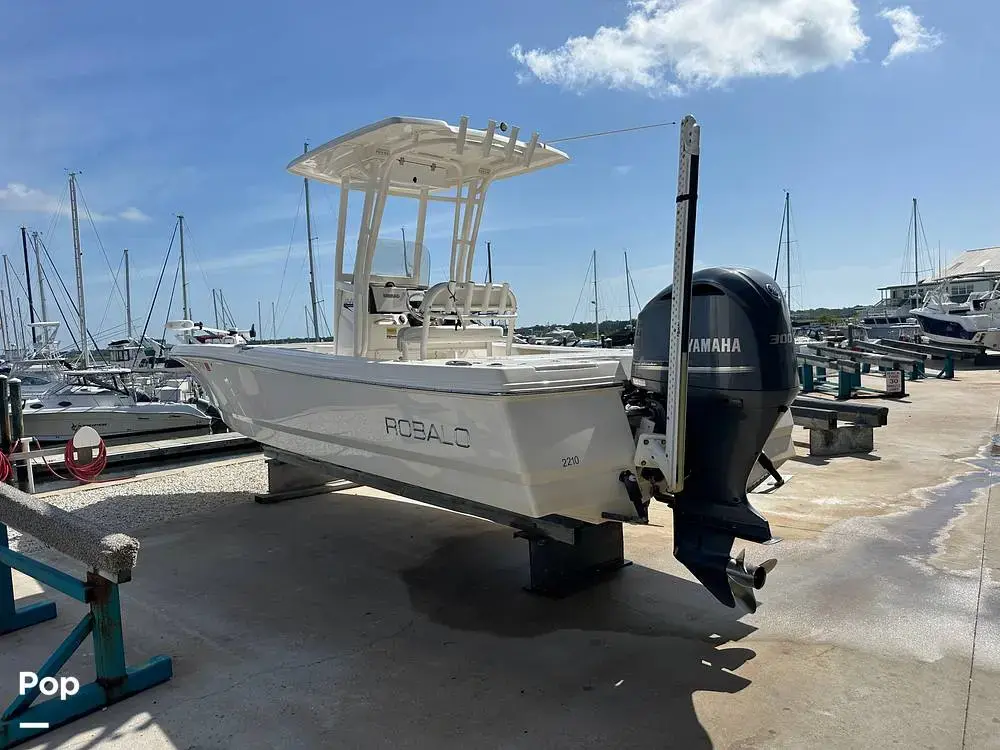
[
  {"x": 583, "y": 330},
  {"x": 827, "y": 314}
]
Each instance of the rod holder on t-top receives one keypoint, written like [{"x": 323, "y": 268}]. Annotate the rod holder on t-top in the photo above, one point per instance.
[{"x": 680, "y": 310}]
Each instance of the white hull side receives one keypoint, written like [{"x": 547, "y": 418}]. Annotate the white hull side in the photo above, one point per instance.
[
  {"x": 61, "y": 424},
  {"x": 988, "y": 339},
  {"x": 534, "y": 454}
]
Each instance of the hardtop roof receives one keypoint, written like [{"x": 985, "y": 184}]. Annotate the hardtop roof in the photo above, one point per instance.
[{"x": 425, "y": 153}]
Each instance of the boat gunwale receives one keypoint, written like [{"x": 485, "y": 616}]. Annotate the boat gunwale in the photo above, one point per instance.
[{"x": 605, "y": 381}]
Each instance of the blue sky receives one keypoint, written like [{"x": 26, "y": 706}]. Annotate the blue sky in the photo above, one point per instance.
[{"x": 855, "y": 107}]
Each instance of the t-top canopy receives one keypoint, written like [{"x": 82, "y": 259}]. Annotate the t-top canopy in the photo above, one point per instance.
[{"x": 425, "y": 154}]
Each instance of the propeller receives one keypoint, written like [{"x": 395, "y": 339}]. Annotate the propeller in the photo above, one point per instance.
[{"x": 744, "y": 577}]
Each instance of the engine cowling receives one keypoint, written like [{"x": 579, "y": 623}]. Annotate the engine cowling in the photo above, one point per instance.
[{"x": 741, "y": 377}]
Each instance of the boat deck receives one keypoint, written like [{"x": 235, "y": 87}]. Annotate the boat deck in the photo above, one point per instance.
[{"x": 530, "y": 369}]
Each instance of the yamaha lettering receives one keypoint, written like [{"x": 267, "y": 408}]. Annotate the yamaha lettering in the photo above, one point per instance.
[
  {"x": 428, "y": 432},
  {"x": 715, "y": 345}
]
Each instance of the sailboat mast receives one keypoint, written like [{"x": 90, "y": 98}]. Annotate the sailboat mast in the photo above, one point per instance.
[
  {"x": 41, "y": 277},
  {"x": 916, "y": 262},
  {"x": 274, "y": 327},
  {"x": 27, "y": 281},
  {"x": 628, "y": 289},
  {"x": 215, "y": 307},
  {"x": 128, "y": 297},
  {"x": 788, "y": 252},
  {"x": 3, "y": 321},
  {"x": 312, "y": 265},
  {"x": 597, "y": 313},
  {"x": 78, "y": 254},
  {"x": 260, "y": 325},
  {"x": 184, "y": 286},
  {"x": 10, "y": 303},
  {"x": 20, "y": 322}
]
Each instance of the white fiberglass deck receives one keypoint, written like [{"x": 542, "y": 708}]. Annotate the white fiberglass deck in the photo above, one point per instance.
[{"x": 537, "y": 371}]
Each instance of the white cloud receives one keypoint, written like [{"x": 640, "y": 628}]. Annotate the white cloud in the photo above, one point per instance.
[
  {"x": 911, "y": 35},
  {"x": 668, "y": 46},
  {"x": 19, "y": 197},
  {"x": 623, "y": 169},
  {"x": 133, "y": 214}
]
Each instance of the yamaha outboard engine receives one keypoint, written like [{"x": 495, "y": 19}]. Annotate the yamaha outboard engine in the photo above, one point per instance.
[{"x": 741, "y": 377}]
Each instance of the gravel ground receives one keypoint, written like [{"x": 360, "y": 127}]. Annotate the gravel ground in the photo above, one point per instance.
[{"x": 131, "y": 505}]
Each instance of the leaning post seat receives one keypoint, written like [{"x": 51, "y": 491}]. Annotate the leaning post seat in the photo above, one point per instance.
[{"x": 466, "y": 301}]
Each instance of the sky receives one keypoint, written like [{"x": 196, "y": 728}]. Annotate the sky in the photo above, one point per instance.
[{"x": 854, "y": 107}]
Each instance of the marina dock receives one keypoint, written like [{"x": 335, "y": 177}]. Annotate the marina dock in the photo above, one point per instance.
[
  {"x": 169, "y": 449},
  {"x": 358, "y": 620}
]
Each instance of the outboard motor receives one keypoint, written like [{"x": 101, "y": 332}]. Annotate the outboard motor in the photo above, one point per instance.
[{"x": 741, "y": 377}]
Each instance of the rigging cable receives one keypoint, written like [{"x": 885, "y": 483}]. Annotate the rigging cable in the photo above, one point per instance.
[
  {"x": 55, "y": 298},
  {"x": 100, "y": 244},
  {"x": 170, "y": 302},
  {"x": 72, "y": 304},
  {"x": 580, "y": 297},
  {"x": 781, "y": 237},
  {"x": 288, "y": 253},
  {"x": 59, "y": 208},
  {"x": 157, "y": 290},
  {"x": 107, "y": 307},
  {"x": 612, "y": 132},
  {"x": 927, "y": 247},
  {"x": 295, "y": 288},
  {"x": 798, "y": 261},
  {"x": 631, "y": 283},
  {"x": 189, "y": 247}
]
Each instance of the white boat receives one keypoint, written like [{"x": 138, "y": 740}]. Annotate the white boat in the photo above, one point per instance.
[
  {"x": 563, "y": 336},
  {"x": 43, "y": 367},
  {"x": 416, "y": 396},
  {"x": 97, "y": 398},
  {"x": 907, "y": 331},
  {"x": 975, "y": 321}
]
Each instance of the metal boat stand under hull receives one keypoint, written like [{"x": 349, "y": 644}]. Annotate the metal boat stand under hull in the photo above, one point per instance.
[{"x": 565, "y": 555}]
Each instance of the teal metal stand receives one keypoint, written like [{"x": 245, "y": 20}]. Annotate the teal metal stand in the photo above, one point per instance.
[
  {"x": 23, "y": 718},
  {"x": 12, "y": 618},
  {"x": 947, "y": 371}
]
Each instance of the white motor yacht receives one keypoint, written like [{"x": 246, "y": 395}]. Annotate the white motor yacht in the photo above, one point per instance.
[
  {"x": 99, "y": 399},
  {"x": 975, "y": 321},
  {"x": 421, "y": 394}
]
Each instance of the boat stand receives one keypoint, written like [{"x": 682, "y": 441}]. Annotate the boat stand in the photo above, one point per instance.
[
  {"x": 110, "y": 559},
  {"x": 288, "y": 481},
  {"x": 564, "y": 555},
  {"x": 559, "y": 569}
]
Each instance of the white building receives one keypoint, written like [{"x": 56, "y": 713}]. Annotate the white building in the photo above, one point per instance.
[{"x": 971, "y": 272}]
